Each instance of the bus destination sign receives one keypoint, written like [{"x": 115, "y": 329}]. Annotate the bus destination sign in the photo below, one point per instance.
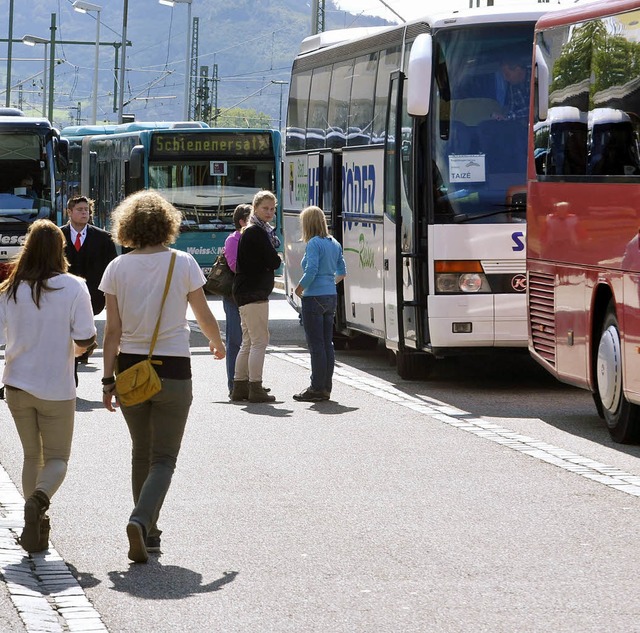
[{"x": 212, "y": 145}]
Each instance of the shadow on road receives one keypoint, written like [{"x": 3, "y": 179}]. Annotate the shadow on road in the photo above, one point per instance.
[{"x": 155, "y": 581}]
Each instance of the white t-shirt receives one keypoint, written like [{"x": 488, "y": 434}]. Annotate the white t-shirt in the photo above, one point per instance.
[
  {"x": 138, "y": 282},
  {"x": 39, "y": 357}
]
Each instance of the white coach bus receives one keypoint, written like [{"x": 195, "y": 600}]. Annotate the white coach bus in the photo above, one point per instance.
[{"x": 405, "y": 137}]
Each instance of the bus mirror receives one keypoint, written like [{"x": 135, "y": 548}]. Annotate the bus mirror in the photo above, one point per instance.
[
  {"x": 62, "y": 156},
  {"x": 419, "y": 75},
  {"x": 542, "y": 84},
  {"x": 136, "y": 162}
]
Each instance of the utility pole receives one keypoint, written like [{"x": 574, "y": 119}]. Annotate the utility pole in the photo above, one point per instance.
[
  {"x": 203, "y": 106},
  {"x": 193, "y": 72},
  {"x": 214, "y": 89},
  {"x": 9, "y": 48},
  {"x": 317, "y": 16},
  {"x": 52, "y": 65},
  {"x": 123, "y": 55}
]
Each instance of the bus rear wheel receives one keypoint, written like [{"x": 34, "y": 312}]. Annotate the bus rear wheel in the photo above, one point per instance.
[{"x": 622, "y": 417}]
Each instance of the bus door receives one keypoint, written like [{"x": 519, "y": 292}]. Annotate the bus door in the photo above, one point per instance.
[
  {"x": 401, "y": 260},
  {"x": 333, "y": 201}
]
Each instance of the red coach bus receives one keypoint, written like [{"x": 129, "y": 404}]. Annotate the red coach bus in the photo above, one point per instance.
[{"x": 583, "y": 206}]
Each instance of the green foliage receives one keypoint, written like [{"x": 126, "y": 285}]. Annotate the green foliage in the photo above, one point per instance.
[
  {"x": 614, "y": 61},
  {"x": 243, "y": 117}
]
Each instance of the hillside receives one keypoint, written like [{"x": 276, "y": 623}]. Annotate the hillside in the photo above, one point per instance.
[{"x": 253, "y": 43}]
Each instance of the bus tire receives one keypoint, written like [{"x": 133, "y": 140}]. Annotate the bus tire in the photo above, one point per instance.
[
  {"x": 413, "y": 366},
  {"x": 621, "y": 416},
  {"x": 363, "y": 342}
]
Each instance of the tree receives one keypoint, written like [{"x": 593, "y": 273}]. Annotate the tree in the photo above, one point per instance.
[{"x": 242, "y": 117}]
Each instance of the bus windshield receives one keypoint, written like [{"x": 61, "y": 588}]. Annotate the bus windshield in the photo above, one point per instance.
[
  {"x": 479, "y": 127},
  {"x": 207, "y": 192},
  {"x": 25, "y": 186}
]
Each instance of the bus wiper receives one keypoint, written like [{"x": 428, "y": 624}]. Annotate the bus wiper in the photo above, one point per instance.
[
  {"x": 459, "y": 218},
  {"x": 17, "y": 218}
]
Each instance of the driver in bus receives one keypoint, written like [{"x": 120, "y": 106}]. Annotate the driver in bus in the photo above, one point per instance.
[
  {"x": 25, "y": 188},
  {"x": 513, "y": 89}
]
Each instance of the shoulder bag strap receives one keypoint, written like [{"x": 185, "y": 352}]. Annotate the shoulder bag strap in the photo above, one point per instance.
[{"x": 164, "y": 297}]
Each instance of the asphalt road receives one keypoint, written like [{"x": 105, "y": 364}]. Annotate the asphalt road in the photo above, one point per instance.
[{"x": 488, "y": 498}]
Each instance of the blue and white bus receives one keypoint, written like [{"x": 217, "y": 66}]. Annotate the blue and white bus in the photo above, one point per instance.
[
  {"x": 30, "y": 150},
  {"x": 205, "y": 172}
]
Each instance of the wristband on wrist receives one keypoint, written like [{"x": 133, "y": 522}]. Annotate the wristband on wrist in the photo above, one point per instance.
[{"x": 111, "y": 380}]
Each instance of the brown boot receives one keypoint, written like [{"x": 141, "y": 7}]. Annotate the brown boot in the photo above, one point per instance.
[
  {"x": 240, "y": 390},
  {"x": 45, "y": 529},
  {"x": 258, "y": 394},
  {"x": 34, "y": 510}
]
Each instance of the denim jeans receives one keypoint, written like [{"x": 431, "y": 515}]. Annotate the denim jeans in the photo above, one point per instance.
[
  {"x": 232, "y": 336},
  {"x": 317, "y": 319},
  {"x": 156, "y": 428}
]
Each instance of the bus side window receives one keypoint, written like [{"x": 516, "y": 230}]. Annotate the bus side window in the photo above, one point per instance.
[
  {"x": 362, "y": 97},
  {"x": 613, "y": 154},
  {"x": 575, "y": 154}
]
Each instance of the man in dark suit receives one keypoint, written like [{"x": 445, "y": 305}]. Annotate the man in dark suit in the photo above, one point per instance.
[{"x": 89, "y": 250}]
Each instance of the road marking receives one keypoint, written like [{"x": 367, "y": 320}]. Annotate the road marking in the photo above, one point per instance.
[
  {"x": 465, "y": 421},
  {"x": 42, "y": 588}
]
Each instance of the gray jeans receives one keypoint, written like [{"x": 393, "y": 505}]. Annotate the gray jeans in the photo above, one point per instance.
[{"x": 156, "y": 428}]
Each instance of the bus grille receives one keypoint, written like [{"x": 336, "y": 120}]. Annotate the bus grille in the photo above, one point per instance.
[{"x": 542, "y": 316}]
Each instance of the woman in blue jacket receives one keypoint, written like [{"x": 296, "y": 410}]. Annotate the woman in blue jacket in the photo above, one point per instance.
[{"x": 323, "y": 267}]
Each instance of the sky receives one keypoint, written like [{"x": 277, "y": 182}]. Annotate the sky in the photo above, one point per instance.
[{"x": 409, "y": 9}]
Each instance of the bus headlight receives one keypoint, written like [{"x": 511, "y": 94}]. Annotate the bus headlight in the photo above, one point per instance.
[
  {"x": 470, "y": 282},
  {"x": 460, "y": 277},
  {"x": 447, "y": 283}
]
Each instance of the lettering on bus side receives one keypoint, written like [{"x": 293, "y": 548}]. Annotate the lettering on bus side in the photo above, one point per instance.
[
  {"x": 313, "y": 197},
  {"x": 13, "y": 240},
  {"x": 518, "y": 240},
  {"x": 301, "y": 182},
  {"x": 358, "y": 188}
]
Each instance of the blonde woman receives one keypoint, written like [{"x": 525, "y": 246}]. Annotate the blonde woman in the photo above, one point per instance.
[
  {"x": 45, "y": 320},
  {"x": 134, "y": 284},
  {"x": 256, "y": 264},
  {"x": 323, "y": 267}
]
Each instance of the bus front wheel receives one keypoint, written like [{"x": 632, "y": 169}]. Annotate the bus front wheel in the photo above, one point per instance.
[
  {"x": 622, "y": 417},
  {"x": 414, "y": 365}
]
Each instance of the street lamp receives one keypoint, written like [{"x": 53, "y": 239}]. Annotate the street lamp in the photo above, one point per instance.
[
  {"x": 187, "y": 73},
  {"x": 32, "y": 40},
  {"x": 84, "y": 7}
]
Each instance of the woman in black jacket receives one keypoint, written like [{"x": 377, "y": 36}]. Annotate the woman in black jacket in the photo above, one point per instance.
[{"x": 253, "y": 283}]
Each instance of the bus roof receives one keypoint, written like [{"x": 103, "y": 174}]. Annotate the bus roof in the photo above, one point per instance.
[
  {"x": 85, "y": 130},
  {"x": 436, "y": 20},
  {"x": 24, "y": 121},
  {"x": 134, "y": 126},
  {"x": 585, "y": 11}
]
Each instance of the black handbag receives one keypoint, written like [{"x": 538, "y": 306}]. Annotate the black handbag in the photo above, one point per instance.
[{"x": 220, "y": 279}]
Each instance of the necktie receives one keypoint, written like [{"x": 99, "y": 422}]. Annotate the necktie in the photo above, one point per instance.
[{"x": 78, "y": 242}]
